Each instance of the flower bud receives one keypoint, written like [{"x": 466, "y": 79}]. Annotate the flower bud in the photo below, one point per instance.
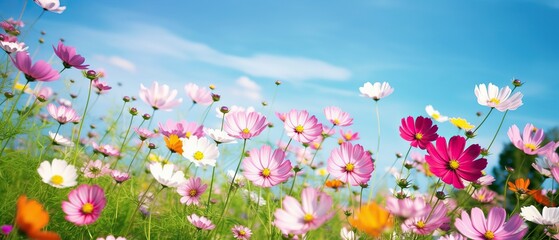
[
  {"x": 398, "y": 155},
  {"x": 479, "y": 114},
  {"x": 146, "y": 116},
  {"x": 364, "y": 185},
  {"x": 270, "y": 125},
  {"x": 264, "y": 103},
  {"x": 278, "y": 82},
  {"x": 8, "y": 95},
  {"x": 347, "y": 213},
  {"x": 297, "y": 169},
  {"x": 90, "y": 74},
  {"x": 92, "y": 126},
  {"x": 408, "y": 165},
  {"x": 440, "y": 195},
  {"x": 41, "y": 40},
  {"x": 517, "y": 83},
  {"x": 151, "y": 146},
  {"x": 133, "y": 98},
  {"x": 403, "y": 183},
  {"x": 126, "y": 99},
  {"x": 73, "y": 95},
  {"x": 509, "y": 169},
  {"x": 212, "y": 87},
  {"x": 470, "y": 134},
  {"x": 41, "y": 98},
  {"x": 224, "y": 109},
  {"x": 133, "y": 111},
  {"x": 216, "y": 97},
  {"x": 484, "y": 152}
]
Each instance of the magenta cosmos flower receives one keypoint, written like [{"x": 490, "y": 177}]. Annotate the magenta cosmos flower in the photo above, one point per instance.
[
  {"x": 198, "y": 95},
  {"x": 420, "y": 132},
  {"x": 40, "y": 71},
  {"x": 182, "y": 129},
  {"x": 302, "y": 128},
  {"x": 265, "y": 168},
  {"x": 159, "y": 97},
  {"x": 296, "y": 218},
  {"x": 191, "y": 190},
  {"x": 494, "y": 226},
  {"x": 530, "y": 140},
  {"x": 85, "y": 204},
  {"x": 201, "y": 223},
  {"x": 241, "y": 232},
  {"x": 452, "y": 163},
  {"x": 350, "y": 164},
  {"x": 69, "y": 56},
  {"x": 338, "y": 117},
  {"x": 244, "y": 125},
  {"x": 63, "y": 114}
]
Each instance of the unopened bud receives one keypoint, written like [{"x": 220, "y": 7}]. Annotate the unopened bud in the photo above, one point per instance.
[
  {"x": 484, "y": 152},
  {"x": 297, "y": 169},
  {"x": 470, "y": 134},
  {"x": 440, "y": 195},
  {"x": 224, "y": 109},
  {"x": 264, "y": 103},
  {"x": 216, "y": 97},
  {"x": 347, "y": 213},
  {"x": 92, "y": 126},
  {"x": 8, "y": 95},
  {"x": 41, "y": 40},
  {"x": 212, "y": 87},
  {"x": 41, "y": 98},
  {"x": 479, "y": 114},
  {"x": 509, "y": 169},
  {"x": 278, "y": 82},
  {"x": 126, "y": 99},
  {"x": 133, "y": 111},
  {"x": 408, "y": 165},
  {"x": 403, "y": 183},
  {"x": 364, "y": 185},
  {"x": 133, "y": 98},
  {"x": 151, "y": 146},
  {"x": 517, "y": 83},
  {"x": 398, "y": 155},
  {"x": 90, "y": 74},
  {"x": 270, "y": 125},
  {"x": 73, "y": 95},
  {"x": 146, "y": 116}
]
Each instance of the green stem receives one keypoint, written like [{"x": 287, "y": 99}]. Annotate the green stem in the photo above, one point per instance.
[
  {"x": 124, "y": 140},
  {"x": 485, "y": 118},
  {"x": 206, "y": 113},
  {"x": 378, "y": 128},
  {"x": 292, "y": 184},
  {"x": 210, "y": 192},
  {"x": 498, "y": 129},
  {"x": 133, "y": 158},
  {"x": 113, "y": 124},
  {"x": 82, "y": 120},
  {"x": 232, "y": 182}
]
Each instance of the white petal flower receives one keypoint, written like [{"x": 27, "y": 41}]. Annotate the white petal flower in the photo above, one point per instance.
[
  {"x": 253, "y": 197},
  {"x": 376, "y": 91},
  {"x": 550, "y": 216},
  {"x": 60, "y": 140},
  {"x": 219, "y": 136},
  {"x": 166, "y": 175},
  {"x": 491, "y": 96},
  {"x": 51, "y": 5},
  {"x": 434, "y": 114},
  {"x": 58, "y": 173},
  {"x": 347, "y": 234},
  {"x": 200, "y": 151},
  {"x": 11, "y": 47}
]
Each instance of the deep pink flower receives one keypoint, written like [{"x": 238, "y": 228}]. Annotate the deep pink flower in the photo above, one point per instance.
[
  {"x": 265, "y": 168},
  {"x": 198, "y": 95},
  {"x": 530, "y": 140},
  {"x": 201, "y": 223},
  {"x": 69, "y": 56},
  {"x": 40, "y": 71},
  {"x": 338, "y": 117},
  {"x": 159, "y": 97},
  {"x": 427, "y": 222},
  {"x": 100, "y": 86},
  {"x": 350, "y": 164},
  {"x": 191, "y": 190},
  {"x": 182, "y": 129},
  {"x": 106, "y": 149},
  {"x": 244, "y": 125},
  {"x": 420, "y": 132},
  {"x": 453, "y": 164},
  {"x": 85, "y": 204},
  {"x": 302, "y": 128},
  {"x": 296, "y": 218},
  {"x": 281, "y": 116},
  {"x": 63, "y": 114},
  {"x": 494, "y": 226},
  {"x": 241, "y": 232}
]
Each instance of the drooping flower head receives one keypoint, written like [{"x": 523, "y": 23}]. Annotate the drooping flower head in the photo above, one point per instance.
[
  {"x": 300, "y": 127},
  {"x": 492, "y": 97},
  {"x": 461, "y": 124},
  {"x": 338, "y": 117},
  {"x": 452, "y": 164},
  {"x": 241, "y": 232},
  {"x": 63, "y": 114},
  {"x": 420, "y": 132},
  {"x": 266, "y": 168},
  {"x": 69, "y": 56},
  {"x": 51, "y": 5},
  {"x": 350, "y": 164},
  {"x": 434, "y": 114},
  {"x": 244, "y": 124},
  {"x": 376, "y": 91},
  {"x": 166, "y": 175},
  {"x": 182, "y": 129},
  {"x": 40, "y": 71},
  {"x": 530, "y": 140},
  {"x": 477, "y": 226},
  {"x": 31, "y": 217},
  {"x": 200, "y": 151},
  {"x": 198, "y": 95},
  {"x": 159, "y": 97},
  {"x": 191, "y": 190},
  {"x": 296, "y": 218},
  {"x": 101, "y": 87},
  {"x": 58, "y": 173},
  {"x": 85, "y": 204},
  {"x": 371, "y": 219},
  {"x": 201, "y": 223}
]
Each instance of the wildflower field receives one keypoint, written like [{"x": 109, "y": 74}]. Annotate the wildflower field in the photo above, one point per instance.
[{"x": 126, "y": 167}]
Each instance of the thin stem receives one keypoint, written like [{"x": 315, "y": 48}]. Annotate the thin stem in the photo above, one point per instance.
[
  {"x": 83, "y": 120},
  {"x": 206, "y": 113},
  {"x": 292, "y": 184},
  {"x": 287, "y": 146},
  {"x": 361, "y": 197},
  {"x": 133, "y": 158},
  {"x": 124, "y": 140},
  {"x": 210, "y": 192},
  {"x": 498, "y": 129},
  {"x": 32, "y": 24},
  {"x": 151, "y": 117},
  {"x": 114, "y": 123},
  {"x": 486, "y": 116},
  {"x": 56, "y": 134},
  {"x": 320, "y": 145},
  {"x": 232, "y": 182},
  {"x": 378, "y": 128}
]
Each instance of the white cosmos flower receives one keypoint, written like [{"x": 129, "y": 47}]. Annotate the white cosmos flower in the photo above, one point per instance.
[
  {"x": 253, "y": 197},
  {"x": 200, "y": 151},
  {"x": 58, "y": 173},
  {"x": 51, "y": 5},
  {"x": 11, "y": 47},
  {"x": 434, "y": 114},
  {"x": 549, "y": 216},
  {"x": 239, "y": 178},
  {"x": 166, "y": 175},
  {"x": 376, "y": 91},
  {"x": 491, "y": 96},
  {"x": 219, "y": 136},
  {"x": 60, "y": 140},
  {"x": 347, "y": 234}
]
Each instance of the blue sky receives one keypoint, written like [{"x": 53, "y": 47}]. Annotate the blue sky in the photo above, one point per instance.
[{"x": 431, "y": 52}]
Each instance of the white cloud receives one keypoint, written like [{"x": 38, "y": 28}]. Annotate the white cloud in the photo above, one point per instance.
[
  {"x": 248, "y": 89},
  {"x": 118, "y": 62}
]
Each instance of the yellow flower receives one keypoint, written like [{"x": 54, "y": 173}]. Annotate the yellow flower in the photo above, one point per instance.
[
  {"x": 156, "y": 158},
  {"x": 321, "y": 172},
  {"x": 372, "y": 219},
  {"x": 18, "y": 86},
  {"x": 461, "y": 123}
]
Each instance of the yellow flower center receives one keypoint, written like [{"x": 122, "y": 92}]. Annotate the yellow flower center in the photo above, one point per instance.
[
  {"x": 192, "y": 192},
  {"x": 336, "y": 121},
  {"x": 57, "y": 180},
  {"x": 198, "y": 155},
  {"x": 87, "y": 208},
  {"x": 418, "y": 136},
  {"x": 308, "y": 217},
  {"x": 489, "y": 235},
  {"x": 246, "y": 131},
  {"x": 266, "y": 172},
  {"x": 349, "y": 167},
  {"x": 299, "y": 129},
  {"x": 242, "y": 232},
  {"x": 420, "y": 224},
  {"x": 453, "y": 164},
  {"x": 481, "y": 197},
  {"x": 531, "y": 146},
  {"x": 347, "y": 136},
  {"x": 435, "y": 116},
  {"x": 495, "y": 101},
  {"x": 188, "y": 134}
]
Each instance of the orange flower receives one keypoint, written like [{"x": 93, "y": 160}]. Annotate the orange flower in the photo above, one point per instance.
[
  {"x": 31, "y": 217},
  {"x": 540, "y": 198},
  {"x": 371, "y": 219},
  {"x": 335, "y": 184},
  {"x": 174, "y": 143},
  {"x": 520, "y": 186}
]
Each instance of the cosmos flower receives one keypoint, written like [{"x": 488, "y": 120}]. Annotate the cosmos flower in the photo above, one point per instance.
[
  {"x": 451, "y": 163},
  {"x": 191, "y": 190},
  {"x": 198, "y": 95},
  {"x": 376, "y": 91},
  {"x": 105, "y": 149},
  {"x": 44, "y": 93},
  {"x": 100, "y": 86},
  {"x": 548, "y": 216},
  {"x": 119, "y": 176},
  {"x": 252, "y": 197},
  {"x": 407, "y": 207},
  {"x": 350, "y": 164},
  {"x": 241, "y": 232},
  {"x": 461, "y": 123},
  {"x": 244, "y": 125},
  {"x": 182, "y": 129},
  {"x": 200, "y": 151},
  {"x": 95, "y": 169},
  {"x": 165, "y": 174},
  {"x": 530, "y": 140},
  {"x": 201, "y": 223},
  {"x": 492, "y": 97},
  {"x": 484, "y": 195},
  {"x": 371, "y": 219},
  {"x": 159, "y": 97},
  {"x": 420, "y": 132},
  {"x": 219, "y": 136},
  {"x": 300, "y": 127},
  {"x": 40, "y": 71},
  {"x": 434, "y": 114},
  {"x": 31, "y": 217},
  {"x": 174, "y": 144},
  {"x": 348, "y": 135},
  {"x": 453, "y": 236},
  {"x": 51, "y": 5},
  {"x": 60, "y": 140},
  {"x": 347, "y": 234},
  {"x": 296, "y": 218},
  {"x": 144, "y": 133},
  {"x": 338, "y": 117},
  {"x": 111, "y": 237},
  {"x": 63, "y": 114},
  {"x": 69, "y": 56},
  {"x": 266, "y": 168},
  {"x": 477, "y": 226},
  {"x": 58, "y": 173},
  {"x": 427, "y": 222},
  {"x": 12, "y": 47},
  {"x": 520, "y": 185},
  {"x": 85, "y": 204}
]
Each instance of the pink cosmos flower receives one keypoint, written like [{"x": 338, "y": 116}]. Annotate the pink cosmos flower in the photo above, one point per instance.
[
  {"x": 302, "y": 128},
  {"x": 296, "y": 218},
  {"x": 241, "y": 232},
  {"x": 453, "y": 236},
  {"x": 69, "y": 56},
  {"x": 201, "y": 223},
  {"x": 51, "y": 5},
  {"x": 144, "y": 133},
  {"x": 452, "y": 163},
  {"x": 191, "y": 190},
  {"x": 159, "y": 97},
  {"x": 45, "y": 93},
  {"x": 407, "y": 207},
  {"x": 119, "y": 176},
  {"x": 530, "y": 140},
  {"x": 420, "y": 132},
  {"x": 40, "y": 71},
  {"x": 182, "y": 129},
  {"x": 427, "y": 222},
  {"x": 349, "y": 135},
  {"x": 492, "y": 97},
  {"x": 198, "y": 95},
  {"x": 244, "y": 125},
  {"x": 494, "y": 226},
  {"x": 106, "y": 149},
  {"x": 63, "y": 114},
  {"x": 85, "y": 204},
  {"x": 266, "y": 168},
  {"x": 100, "y": 86},
  {"x": 350, "y": 164},
  {"x": 111, "y": 237},
  {"x": 281, "y": 116},
  {"x": 484, "y": 195},
  {"x": 95, "y": 169},
  {"x": 337, "y": 117}
]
